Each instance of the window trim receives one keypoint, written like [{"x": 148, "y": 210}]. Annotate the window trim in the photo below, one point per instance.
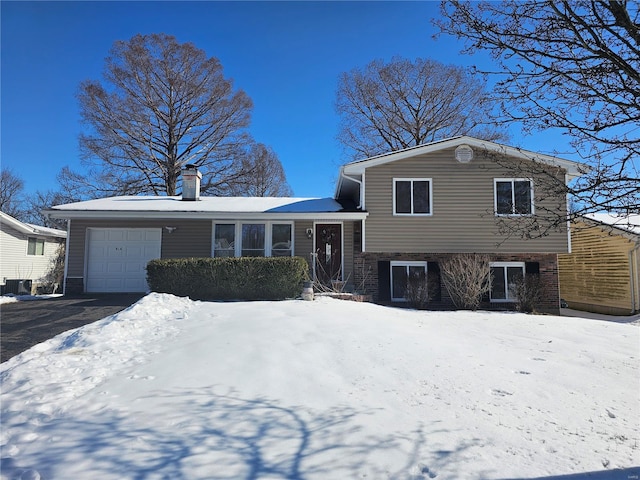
[
  {"x": 505, "y": 265},
  {"x": 268, "y": 240},
  {"x": 213, "y": 239},
  {"x": 36, "y": 241},
  {"x": 513, "y": 203},
  {"x": 404, "y": 263},
  {"x": 412, "y": 214},
  {"x": 264, "y": 244}
]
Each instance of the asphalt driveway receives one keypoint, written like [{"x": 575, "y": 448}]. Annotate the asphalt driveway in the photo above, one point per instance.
[{"x": 25, "y": 324}]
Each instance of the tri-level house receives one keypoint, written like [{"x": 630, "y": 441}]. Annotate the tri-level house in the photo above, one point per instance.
[{"x": 392, "y": 215}]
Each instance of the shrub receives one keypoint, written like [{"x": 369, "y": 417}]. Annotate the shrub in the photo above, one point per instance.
[
  {"x": 420, "y": 289},
  {"x": 245, "y": 278},
  {"x": 467, "y": 278},
  {"x": 528, "y": 291}
]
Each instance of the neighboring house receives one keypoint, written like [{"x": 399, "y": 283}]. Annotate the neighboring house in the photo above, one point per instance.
[
  {"x": 602, "y": 272},
  {"x": 26, "y": 253},
  {"x": 391, "y": 215}
]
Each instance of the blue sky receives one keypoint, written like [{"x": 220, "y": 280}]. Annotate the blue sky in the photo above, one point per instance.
[{"x": 286, "y": 56}]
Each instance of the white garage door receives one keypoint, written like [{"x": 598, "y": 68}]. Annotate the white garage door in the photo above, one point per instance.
[{"x": 117, "y": 258}]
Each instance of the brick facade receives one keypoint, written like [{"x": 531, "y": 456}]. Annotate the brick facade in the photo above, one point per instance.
[{"x": 366, "y": 276}]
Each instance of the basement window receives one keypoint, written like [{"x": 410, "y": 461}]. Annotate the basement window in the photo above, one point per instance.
[
  {"x": 504, "y": 278},
  {"x": 402, "y": 273}
]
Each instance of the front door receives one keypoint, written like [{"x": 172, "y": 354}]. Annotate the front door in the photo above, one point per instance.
[{"x": 328, "y": 265}]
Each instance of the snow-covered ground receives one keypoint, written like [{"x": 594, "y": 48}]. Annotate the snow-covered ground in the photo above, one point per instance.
[
  {"x": 330, "y": 389},
  {"x": 11, "y": 298}
]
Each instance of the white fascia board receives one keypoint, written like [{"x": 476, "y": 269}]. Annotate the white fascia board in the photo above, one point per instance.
[
  {"x": 29, "y": 229},
  {"x": 146, "y": 215},
  {"x": 573, "y": 169}
]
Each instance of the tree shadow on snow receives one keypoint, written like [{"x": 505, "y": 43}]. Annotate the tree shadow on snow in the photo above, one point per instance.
[{"x": 206, "y": 434}]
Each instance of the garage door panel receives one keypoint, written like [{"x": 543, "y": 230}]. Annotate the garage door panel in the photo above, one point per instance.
[
  {"x": 135, "y": 236},
  {"x": 153, "y": 235},
  {"x": 114, "y": 268},
  {"x": 134, "y": 251},
  {"x": 135, "y": 267},
  {"x": 117, "y": 258},
  {"x": 115, "y": 235}
]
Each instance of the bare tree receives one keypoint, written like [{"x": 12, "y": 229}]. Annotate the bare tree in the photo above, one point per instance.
[
  {"x": 569, "y": 65},
  {"x": 43, "y": 200},
  {"x": 467, "y": 278},
  {"x": 11, "y": 198},
  {"x": 163, "y": 105},
  {"x": 390, "y": 106},
  {"x": 263, "y": 174}
]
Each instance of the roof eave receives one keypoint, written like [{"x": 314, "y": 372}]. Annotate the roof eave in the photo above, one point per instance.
[
  {"x": 30, "y": 230},
  {"x": 573, "y": 169},
  {"x": 173, "y": 215}
]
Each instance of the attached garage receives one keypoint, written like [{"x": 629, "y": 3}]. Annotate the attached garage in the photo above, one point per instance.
[{"x": 117, "y": 258}]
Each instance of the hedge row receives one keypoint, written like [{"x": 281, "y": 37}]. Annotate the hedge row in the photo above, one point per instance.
[{"x": 245, "y": 278}]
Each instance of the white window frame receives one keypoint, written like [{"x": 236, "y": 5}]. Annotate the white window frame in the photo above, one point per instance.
[
  {"x": 213, "y": 239},
  {"x": 239, "y": 238},
  {"x": 407, "y": 264},
  {"x": 268, "y": 225},
  {"x": 270, "y": 235},
  {"x": 505, "y": 265},
  {"x": 36, "y": 241},
  {"x": 513, "y": 200},
  {"x": 412, "y": 214}
]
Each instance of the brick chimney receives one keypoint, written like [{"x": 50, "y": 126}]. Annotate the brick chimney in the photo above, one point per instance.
[{"x": 191, "y": 183}]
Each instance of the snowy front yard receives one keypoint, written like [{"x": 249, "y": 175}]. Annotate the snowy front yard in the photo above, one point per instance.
[{"x": 175, "y": 389}]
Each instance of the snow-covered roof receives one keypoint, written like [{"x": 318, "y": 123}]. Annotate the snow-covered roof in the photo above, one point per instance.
[
  {"x": 210, "y": 207},
  {"x": 30, "y": 229},
  {"x": 629, "y": 223}
]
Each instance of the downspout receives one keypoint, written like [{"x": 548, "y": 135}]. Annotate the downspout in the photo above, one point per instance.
[
  {"x": 66, "y": 257},
  {"x": 360, "y": 205},
  {"x": 360, "y": 190}
]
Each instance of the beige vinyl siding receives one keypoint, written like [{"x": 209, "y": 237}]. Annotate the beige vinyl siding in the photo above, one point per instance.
[
  {"x": 462, "y": 217},
  {"x": 347, "y": 253},
  {"x": 191, "y": 238},
  {"x": 597, "y": 275},
  {"x": 303, "y": 246}
]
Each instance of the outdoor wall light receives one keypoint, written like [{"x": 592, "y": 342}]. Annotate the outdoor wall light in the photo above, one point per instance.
[
  {"x": 170, "y": 229},
  {"x": 309, "y": 233}
]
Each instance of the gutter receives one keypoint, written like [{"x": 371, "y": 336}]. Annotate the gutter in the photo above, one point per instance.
[
  {"x": 355, "y": 180},
  {"x": 182, "y": 215}
]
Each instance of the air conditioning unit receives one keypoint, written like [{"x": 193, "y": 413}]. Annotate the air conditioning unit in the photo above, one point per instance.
[{"x": 18, "y": 287}]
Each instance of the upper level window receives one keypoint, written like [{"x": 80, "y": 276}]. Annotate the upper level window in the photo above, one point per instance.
[
  {"x": 412, "y": 196},
  {"x": 513, "y": 196},
  {"x": 35, "y": 246}
]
